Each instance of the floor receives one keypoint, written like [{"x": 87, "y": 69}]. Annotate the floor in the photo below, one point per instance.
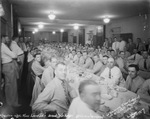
[{"x": 24, "y": 111}]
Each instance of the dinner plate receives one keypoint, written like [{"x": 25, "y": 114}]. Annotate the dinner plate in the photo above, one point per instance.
[
  {"x": 102, "y": 102},
  {"x": 121, "y": 89},
  {"x": 106, "y": 96}
]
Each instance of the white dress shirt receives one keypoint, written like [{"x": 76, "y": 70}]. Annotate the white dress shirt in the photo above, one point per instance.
[
  {"x": 116, "y": 75},
  {"x": 135, "y": 58},
  {"x": 52, "y": 98},
  {"x": 15, "y": 48},
  {"x": 6, "y": 54},
  {"x": 47, "y": 76},
  {"x": 80, "y": 110},
  {"x": 115, "y": 45},
  {"x": 122, "y": 44}
]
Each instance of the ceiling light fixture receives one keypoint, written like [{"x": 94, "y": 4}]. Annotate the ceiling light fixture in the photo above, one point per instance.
[
  {"x": 106, "y": 20},
  {"x": 54, "y": 32},
  {"x": 33, "y": 32},
  {"x": 51, "y": 16},
  {"x": 61, "y": 30},
  {"x": 76, "y": 27},
  {"x": 36, "y": 30},
  {"x": 40, "y": 26}
]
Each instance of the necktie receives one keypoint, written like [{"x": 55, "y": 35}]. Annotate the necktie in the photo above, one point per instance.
[
  {"x": 64, "y": 85},
  {"x": 137, "y": 47},
  {"x": 145, "y": 64},
  {"x": 109, "y": 73},
  {"x": 134, "y": 57}
]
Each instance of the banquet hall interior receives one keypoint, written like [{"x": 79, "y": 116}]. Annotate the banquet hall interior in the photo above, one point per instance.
[{"x": 85, "y": 59}]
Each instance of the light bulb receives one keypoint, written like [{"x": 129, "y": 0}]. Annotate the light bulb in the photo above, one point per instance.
[
  {"x": 106, "y": 20},
  {"x": 40, "y": 26},
  {"x": 61, "y": 30},
  {"x": 51, "y": 16},
  {"x": 54, "y": 32}
]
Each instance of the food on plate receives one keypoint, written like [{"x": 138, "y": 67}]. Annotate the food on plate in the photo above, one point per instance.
[
  {"x": 121, "y": 89},
  {"x": 106, "y": 96}
]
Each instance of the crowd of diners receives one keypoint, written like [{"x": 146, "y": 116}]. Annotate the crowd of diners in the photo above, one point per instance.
[{"x": 126, "y": 64}]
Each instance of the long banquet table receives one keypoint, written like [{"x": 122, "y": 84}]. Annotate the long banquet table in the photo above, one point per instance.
[{"x": 76, "y": 74}]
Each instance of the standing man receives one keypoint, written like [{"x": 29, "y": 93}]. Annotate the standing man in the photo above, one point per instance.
[
  {"x": 122, "y": 45},
  {"x": 115, "y": 45},
  {"x": 9, "y": 72},
  {"x": 57, "y": 95},
  {"x": 17, "y": 50}
]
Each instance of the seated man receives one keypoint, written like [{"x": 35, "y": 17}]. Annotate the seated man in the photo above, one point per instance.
[
  {"x": 57, "y": 95},
  {"x": 144, "y": 66},
  {"x": 135, "y": 58},
  {"x": 112, "y": 74},
  {"x": 104, "y": 61},
  {"x": 72, "y": 55},
  {"x": 88, "y": 61},
  {"x": 133, "y": 81},
  {"x": 121, "y": 62},
  {"x": 79, "y": 55},
  {"x": 97, "y": 66},
  {"x": 88, "y": 103},
  {"x": 36, "y": 66},
  {"x": 48, "y": 73},
  {"x": 144, "y": 91}
]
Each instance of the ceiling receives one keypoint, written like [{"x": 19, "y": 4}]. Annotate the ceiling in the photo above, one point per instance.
[{"x": 68, "y": 12}]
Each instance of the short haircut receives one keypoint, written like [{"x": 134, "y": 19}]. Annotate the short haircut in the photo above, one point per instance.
[
  {"x": 95, "y": 54},
  {"x": 60, "y": 63},
  {"x": 121, "y": 52},
  {"x": 85, "y": 83},
  {"x": 45, "y": 57},
  {"x": 106, "y": 56},
  {"x": 14, "y": 37},
  {"x": 144, "y": 51},
  {"x": 37, "y": 53},
  {"x": 79, "y": 52},
  {"x": 112, "y": 50},
  {"x": 135, "y": 66},
  {"x": 3, "y": 36},
  {"x": 85, "y": 52},
  {"x": 73, "y": 50}
]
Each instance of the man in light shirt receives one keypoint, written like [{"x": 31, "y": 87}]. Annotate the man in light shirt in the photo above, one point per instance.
[
  {"x": 48, "y": 73},
  {"x": 134, "y": 81},
  {"x": 144, "y": 91},
  {"x": 57, "y": 95},
  {"x": 121, "y": 62},
  {"x": 97, "y": 66},
  {"x": 88, "y": 103},
  {"x": 17, "y": 50},
  {"x": 88, "y": 61},
  {"x": 112, "y": 74},
  {"x": 122, "y": 44},
  {"x": 115, "y": 45},
  {"x": 135, "y": 58},
  {"x": 78, "y": 61},
  {"x": 144, "y": 66},
  {"x": 9, "y": 72}
]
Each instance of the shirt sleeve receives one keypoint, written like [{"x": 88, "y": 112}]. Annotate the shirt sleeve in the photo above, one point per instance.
[
  {"x": 143, "y": 91},
  {"x": 97, "y": 67},
  {"x": 87, "y": 63},
  {"x": 128, "y": 81},
  {"x": 9, "y": 53},
  {"x": 43, "y": 100},
  {"x": 117, "y": 75}
]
